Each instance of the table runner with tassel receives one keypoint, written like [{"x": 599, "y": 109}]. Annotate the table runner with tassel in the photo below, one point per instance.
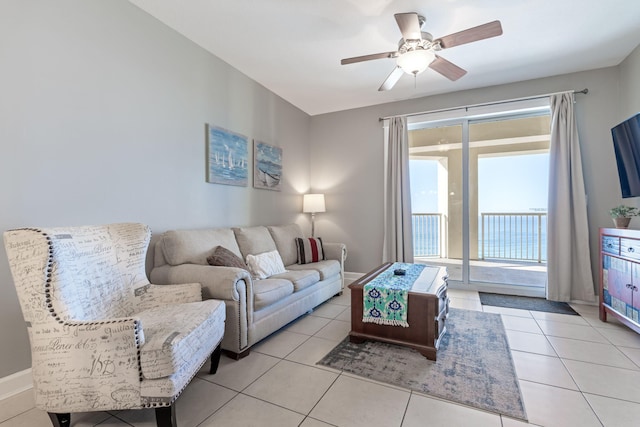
[{"x": 386, "y": 296}]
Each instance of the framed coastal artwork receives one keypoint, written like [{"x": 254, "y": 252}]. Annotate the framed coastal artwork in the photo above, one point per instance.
[
  {"x": 227, "y": 157},
  {"x": 267, "y": 166}
]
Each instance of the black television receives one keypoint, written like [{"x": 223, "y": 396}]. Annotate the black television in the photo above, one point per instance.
[{"x": 626, "y": 143}]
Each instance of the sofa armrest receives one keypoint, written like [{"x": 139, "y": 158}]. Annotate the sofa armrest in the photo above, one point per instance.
[
  {"x": 337, "y": 251},
  {"x": 217, "y": 282},
  {"x": 152, "y": 296},
  {"x": 229, "y": 284}
]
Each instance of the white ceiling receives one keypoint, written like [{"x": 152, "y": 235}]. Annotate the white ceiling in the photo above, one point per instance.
[{"x": 294, "y": 47}]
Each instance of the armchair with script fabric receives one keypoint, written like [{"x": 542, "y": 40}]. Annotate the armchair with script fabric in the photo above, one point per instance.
[{"x": 102, "y": 337}]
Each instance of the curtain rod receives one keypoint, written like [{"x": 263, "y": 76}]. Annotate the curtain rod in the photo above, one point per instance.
[{"x": 526, "y": 98}]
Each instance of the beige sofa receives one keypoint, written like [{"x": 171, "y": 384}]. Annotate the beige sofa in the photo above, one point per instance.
[{"x": 255, "y": 308}]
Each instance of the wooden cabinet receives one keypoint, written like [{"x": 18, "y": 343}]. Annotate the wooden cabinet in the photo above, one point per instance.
[
  {"x": 620, "y": 276},
  {"x": 429, "y": 310}
]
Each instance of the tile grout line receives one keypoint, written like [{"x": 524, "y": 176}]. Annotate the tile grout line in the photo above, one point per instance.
[
  {"x": 281, "y": 359},
  {"x": 582, "y": 392},
  {"x": 321, "y": 397},
  {"x": 406, "y": 408},
  {"x": 308, "y": 337},
  {"x": 608, "y": 343},
  {"x": 591, "y": 362}
]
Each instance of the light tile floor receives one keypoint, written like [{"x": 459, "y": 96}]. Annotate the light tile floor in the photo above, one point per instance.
[{"x": 573, "y": 371}]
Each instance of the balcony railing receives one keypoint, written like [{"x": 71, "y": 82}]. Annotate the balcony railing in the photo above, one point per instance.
[
  {"x": 428, "y": 234},
  {"x": 514, "y": 236},
  {"x": 509, "y": 236}
]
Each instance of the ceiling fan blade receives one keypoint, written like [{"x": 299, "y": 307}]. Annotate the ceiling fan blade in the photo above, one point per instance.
[
  {"x": 447, "y": 69},
  {"x": 368, "y": 57},
  {"x": 481, "y": 32},
  {"x": 392, "y": 79},
  {"x": 409, "y": 25}
]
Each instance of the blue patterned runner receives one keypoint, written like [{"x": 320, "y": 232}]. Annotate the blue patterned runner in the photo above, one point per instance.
[{"x": 386, "y": 296}]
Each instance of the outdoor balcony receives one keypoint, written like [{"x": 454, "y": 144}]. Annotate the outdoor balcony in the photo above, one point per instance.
[{"x": 511, "y": 248}]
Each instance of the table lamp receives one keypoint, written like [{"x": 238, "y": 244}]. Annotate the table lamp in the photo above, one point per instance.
[{"x": 313, "y": 203}]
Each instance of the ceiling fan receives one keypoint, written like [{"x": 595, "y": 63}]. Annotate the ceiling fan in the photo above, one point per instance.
[{"x": 417, "y": 49}]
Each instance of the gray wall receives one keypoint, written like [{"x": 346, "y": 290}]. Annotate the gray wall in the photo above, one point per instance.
[
  {"x": 629, "y": 102},
  {"x": 347, "y": 153},
  {"x": 102, "y": 119},
  {"x": 630, "y": 85}
]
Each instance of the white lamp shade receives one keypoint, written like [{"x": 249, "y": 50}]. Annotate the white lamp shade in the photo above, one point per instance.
[
  {"x": 415, "y": 61},
  {"x": 312, "y": 203}
]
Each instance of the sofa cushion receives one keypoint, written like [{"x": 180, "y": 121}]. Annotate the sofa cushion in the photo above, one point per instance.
[
  {"x": 309, "y": 250},
  {"x": 265, "y": 265},
  {"x": 172, "y": 332},
  {"x": 269, "y": 291},
  {"x": 194, "y": 246},
  {"x": 327, "y": 268},
  {"x": 285, "y": 238},
  {"x": 301, "y": 278},
  {"x": 254, "y": 240},
  {"x": 223, "y": 257}
]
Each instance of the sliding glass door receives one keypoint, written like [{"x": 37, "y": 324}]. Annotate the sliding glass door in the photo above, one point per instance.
[
  {"x": 479, "y": 194},
  {"x": 436, "y": 195}
]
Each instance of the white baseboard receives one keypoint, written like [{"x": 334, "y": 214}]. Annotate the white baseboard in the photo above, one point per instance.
[
  {"x": 348, "y": 275},
  {"x": 15, "y": 383}
]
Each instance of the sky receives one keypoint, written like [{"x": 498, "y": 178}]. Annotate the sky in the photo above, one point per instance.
[{"x": 505, "y": 184}]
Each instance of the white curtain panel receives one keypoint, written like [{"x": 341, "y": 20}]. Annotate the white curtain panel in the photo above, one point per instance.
[
  {"x": 569, "y": 262},
  {"x": 398, "y": 238}
]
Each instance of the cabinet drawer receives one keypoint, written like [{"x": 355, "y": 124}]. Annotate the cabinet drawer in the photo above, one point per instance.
[
  {"x": 630, "y": 248},
  {"x": 611, "y": 244}
]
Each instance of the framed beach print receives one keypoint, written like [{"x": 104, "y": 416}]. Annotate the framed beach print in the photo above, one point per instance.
[
  {"x": 227, "y": 157},
  {"x": 267, "y": 166}
]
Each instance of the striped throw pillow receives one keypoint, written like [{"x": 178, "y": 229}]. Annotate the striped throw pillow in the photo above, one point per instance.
[{"x": 309, "y": 250}]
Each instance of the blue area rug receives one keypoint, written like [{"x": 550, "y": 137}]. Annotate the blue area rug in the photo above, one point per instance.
[{"x": 474, "y": 365}]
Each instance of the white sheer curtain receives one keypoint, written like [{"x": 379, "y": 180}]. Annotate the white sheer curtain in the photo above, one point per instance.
[
  {"x": 398, "y": 238},
  {"x": 569, "y": 262}
]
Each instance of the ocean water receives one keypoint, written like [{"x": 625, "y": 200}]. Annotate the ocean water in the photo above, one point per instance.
[{"x": 510, "y": 238}]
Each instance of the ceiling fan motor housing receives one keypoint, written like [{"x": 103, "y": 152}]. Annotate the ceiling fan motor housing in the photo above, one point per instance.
[{"x": 425, "y": 43}]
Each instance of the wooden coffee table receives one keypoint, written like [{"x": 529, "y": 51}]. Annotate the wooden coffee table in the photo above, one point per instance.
[{"x": 427, "y": 310}]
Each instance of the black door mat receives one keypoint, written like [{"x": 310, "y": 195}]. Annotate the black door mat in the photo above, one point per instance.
[{"x": 526, "y": 303}]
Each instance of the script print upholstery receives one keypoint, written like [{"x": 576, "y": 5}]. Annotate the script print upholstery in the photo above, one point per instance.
[{"x": 90, "y": 313}]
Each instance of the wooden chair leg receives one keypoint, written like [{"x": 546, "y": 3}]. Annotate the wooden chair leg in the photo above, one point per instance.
[
  {"x": 215, "y": 359},
  {"x": 60, "y": 420},
  {"x": 237, "y": 356},
  {"x": 166, "y": 416}
]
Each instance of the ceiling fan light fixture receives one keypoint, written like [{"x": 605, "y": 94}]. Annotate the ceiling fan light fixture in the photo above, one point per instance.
[
  {"x": 417, "y": 49},
  {"x": 415, "y": 61}
]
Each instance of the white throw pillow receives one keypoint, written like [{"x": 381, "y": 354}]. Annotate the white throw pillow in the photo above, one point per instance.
[{"x": 265, "y": 264}]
